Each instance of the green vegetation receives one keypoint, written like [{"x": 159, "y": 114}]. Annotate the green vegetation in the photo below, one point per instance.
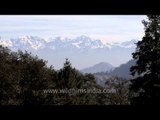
[
  {"x": 147, "y": 86},
  {"x": 25, "y": 79}
]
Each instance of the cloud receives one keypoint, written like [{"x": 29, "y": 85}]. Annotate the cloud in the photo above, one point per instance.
[
  {"x": 106, "y": 27},
  {"x": 118, "y": 37}
]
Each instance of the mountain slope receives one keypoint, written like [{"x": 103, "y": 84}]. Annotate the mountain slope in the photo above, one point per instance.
[
  {"x": 123, "y": 70},
  {"x": 101, "y": 67},
  {"x": 55, "y": 50},
  {"x": 80, "y": 42}
]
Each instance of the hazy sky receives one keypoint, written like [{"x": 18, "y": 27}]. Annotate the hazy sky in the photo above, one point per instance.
[{"x": 108, "y": 28}]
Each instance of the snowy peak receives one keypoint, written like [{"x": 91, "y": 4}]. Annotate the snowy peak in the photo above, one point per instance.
[
  {"x": 6, "y": 43},
  {"x": 81, "y": 42},
  {"x": 28, "y": 42},
  {"x": 82, "y": 50},
  {"x": 87, "y": 42},
  {"x": 126, "y": 44},
  {"x": 83, "y": 38}
]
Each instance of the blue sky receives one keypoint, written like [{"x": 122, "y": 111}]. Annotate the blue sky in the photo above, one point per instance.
[{"x": 108, "y": 28}]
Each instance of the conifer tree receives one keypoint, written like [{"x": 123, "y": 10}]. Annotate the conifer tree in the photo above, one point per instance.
[{"x": 147, "y": 55}]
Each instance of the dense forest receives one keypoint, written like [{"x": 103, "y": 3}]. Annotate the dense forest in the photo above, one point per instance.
[{"x": 24, "y": 78}]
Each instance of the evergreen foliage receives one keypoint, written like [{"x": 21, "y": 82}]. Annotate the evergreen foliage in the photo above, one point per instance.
[
  {"x": 24, "y": 79},
  {"x": 147, "y": 85}
]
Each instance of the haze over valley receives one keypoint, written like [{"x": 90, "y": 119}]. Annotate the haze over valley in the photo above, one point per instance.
[{"x": 82, "y": 51}]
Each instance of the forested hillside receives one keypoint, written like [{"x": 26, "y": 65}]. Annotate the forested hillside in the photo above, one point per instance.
[{"x": 26, "y": 80}]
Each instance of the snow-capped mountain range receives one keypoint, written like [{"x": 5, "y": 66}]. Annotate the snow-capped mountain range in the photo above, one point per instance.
[
  {"x": 82, "y": 51},
  {"x": 81, "y": 42}
]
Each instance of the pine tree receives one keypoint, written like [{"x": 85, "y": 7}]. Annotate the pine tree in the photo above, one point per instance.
[
  {"x": 71, "y": 79},
  {"x": 23, "y": 77},
  {"x": 9, "y": 77},
  {"x": 118, "y": 91},
  {"x": 147, "y": 55}
]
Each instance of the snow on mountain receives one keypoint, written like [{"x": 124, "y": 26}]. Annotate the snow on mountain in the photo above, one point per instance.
[
  {"x": 24, "y": 42},
  {"x": 83, "y": 51},
  {"x": 126, "y": 44},
  {"x": 33, "y": 41},
  {"x": 77, "y": 44},
  {"x": 80, "y": 42},
  {"x": 6, "y": 43}
]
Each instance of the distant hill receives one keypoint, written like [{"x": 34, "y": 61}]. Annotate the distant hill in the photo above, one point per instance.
[
  {"x": 100, "y": 67},
  {"x": 123, "y": 70}
]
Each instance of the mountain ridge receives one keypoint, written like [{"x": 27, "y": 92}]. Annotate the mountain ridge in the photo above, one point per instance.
[
  {"x": 83, "y": 41},
  {"x": 100, "y": 67},
  {"x": 82, "y": 51}
]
